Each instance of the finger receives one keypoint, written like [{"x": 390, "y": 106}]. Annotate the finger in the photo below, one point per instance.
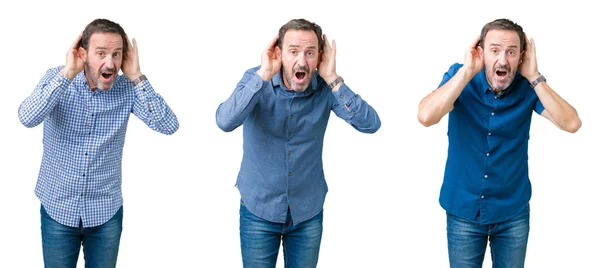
[
  {"x": 326, "y": 45},
  {"x": 532, "y": 45},
  {"x": 273, "y": 42},
  {"x": 333, "y": 46},
  {"x": 134, "y": 42},
  {"x": 475, "y": 42},
  {"x": 75, "y": 44}
]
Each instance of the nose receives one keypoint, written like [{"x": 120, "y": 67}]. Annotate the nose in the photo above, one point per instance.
[
  {"x": 301, "y": 60},
  {"x": 502, "y": 58},
  {"x": 109, "y": 62}
]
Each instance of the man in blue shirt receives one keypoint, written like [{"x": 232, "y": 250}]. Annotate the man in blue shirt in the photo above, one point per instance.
[
  {"x": 490, "y": 99},
  {"x": 284, "y": 106},
  {"x": 85, "y": 106}
]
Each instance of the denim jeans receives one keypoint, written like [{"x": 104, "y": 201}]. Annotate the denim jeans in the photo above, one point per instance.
[
  {"x": 260, "y": 240},
  {"x": 467, "y": 241},
  {"x": 61, "y": 244}
]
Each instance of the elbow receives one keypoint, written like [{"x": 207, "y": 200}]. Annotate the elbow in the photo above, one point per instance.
[
  {"x": 426, "y": 119},
  {"x": 225, "y": 125},
  {"x": 172, "y": 130},
  {"x": 374, "y": 128},
  {"x": 573, "y": 126},
  {"x": 27, "y": 122}
]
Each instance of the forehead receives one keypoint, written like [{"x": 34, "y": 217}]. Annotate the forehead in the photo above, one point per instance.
[
  {"x": 300, "y": 38},
  {"x": 503, "y": 38},
  {"x": 106, "y": 40}
]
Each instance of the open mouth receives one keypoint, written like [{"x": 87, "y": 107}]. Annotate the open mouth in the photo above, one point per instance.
[
  {"x": 501, "y": 73},
  {"x": 300, "y": 75},
  {"x": 107, "y": 75}
]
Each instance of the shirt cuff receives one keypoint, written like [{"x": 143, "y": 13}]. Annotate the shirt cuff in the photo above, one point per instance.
[
  {"x": 255, "y": 83},
  {"x": 345, "y": 97}
]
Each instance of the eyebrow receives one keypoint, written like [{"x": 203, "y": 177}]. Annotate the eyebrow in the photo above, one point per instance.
[
  {"x": 499, "y": 45},
  {"x": 309, "y": 47},
  {"x": 104, "y": 48}
]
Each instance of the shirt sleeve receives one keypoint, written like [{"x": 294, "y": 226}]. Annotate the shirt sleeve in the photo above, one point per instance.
[
  {"x": 152, "y": 109},
  {"x": 46, "y": 95},
  {"x": 232, "y": 113},
  {"x": 354, "y": 110},
  {"x": 539, "y": 107}
]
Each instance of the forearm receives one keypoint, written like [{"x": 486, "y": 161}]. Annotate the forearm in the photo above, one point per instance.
[
  {"x": 563, "y": 114},
  {"x": 152, "y": 109},
  {"x": 232, "y": 113},
  {"x": 34, "y": 109},
  {"x": 441, "y": 101},
  {"x": 354, "y": 110}
]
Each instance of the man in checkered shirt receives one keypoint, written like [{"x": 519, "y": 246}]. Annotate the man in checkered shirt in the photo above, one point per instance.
[{"x": 85, "y": 106}]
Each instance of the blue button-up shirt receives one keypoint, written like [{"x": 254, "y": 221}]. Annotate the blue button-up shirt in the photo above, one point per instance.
[
  {"x": 84, "y": 133},
  {"x": 486, "y": 170},
  {"x": 282, "y": 164}
]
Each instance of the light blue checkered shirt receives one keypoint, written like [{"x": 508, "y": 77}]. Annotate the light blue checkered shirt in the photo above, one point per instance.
[{"x": 84, "y": 133}]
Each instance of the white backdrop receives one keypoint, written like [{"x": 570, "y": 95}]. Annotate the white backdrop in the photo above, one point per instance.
[{"x": 181, "y": 206}]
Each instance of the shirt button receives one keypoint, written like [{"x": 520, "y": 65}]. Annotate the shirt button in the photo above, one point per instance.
[
  {"x": 86, "y": 154},
  {"x": 493, "y": 113},
  {"x": 485, "y": 176},
  {"x": 289, "y": 134},
  {"x": 489, "y": 133},
  {"x": 487, "y": 154},
  {"x": 495, "y": 97},
  {"x": 289, "y": 152},
  {"x": 291, "y": 116},
  {"x": 289, "y": 173},
  {"x": 83, "y": 174},
  {"x": 482, "y": 197}
]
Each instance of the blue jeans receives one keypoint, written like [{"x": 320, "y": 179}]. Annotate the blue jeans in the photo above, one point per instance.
[
  {"x": 467, "y": 241},
  {"x": 260, "y": 241},
  {"x": 61, "y": 244}
]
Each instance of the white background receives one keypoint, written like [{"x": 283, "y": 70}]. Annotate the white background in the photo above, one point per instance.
[{"x": 181, "y": 206}]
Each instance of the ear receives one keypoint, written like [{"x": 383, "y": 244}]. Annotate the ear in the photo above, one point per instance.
[{"x": 82, "y": 54}]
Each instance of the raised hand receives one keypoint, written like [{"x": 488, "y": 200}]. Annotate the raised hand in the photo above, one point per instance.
[
  {"x": 474, "y": 57},
  {"x": 74, "y": 64},
  {"x": 131, "y": 62},
  {"x": 528, "y": 66},
  {"x": 270, "y": 62},
  {"x": 327, "y": 63}
]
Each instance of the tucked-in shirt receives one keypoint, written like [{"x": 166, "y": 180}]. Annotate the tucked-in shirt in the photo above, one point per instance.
[
  {"x": 486, "y": 178},
  {"x": 283, "y": 134},
  {"x": 84, "y": 132}
]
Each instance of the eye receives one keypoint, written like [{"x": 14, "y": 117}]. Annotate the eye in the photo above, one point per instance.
[
  {"x": 100, "y": 53},
  {"x": 494, "y": 51},
  {"x": 511, "y": 53},
  {"x": 116, "y": 54},
  {"x": 293, "y": 52},
  {"x": 310, "y": 53}
]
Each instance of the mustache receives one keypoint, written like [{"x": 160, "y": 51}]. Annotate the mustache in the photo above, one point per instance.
[
  {"x": 301, "y": 68},
  {"x": 106, "y": 70},
  {"x": 504, "y": 67}
]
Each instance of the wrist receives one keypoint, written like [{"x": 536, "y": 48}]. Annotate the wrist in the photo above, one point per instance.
[
  {"x": 134, "y": 77},
  {"x": 68, "y": 73},
  {"x": 330, "y": 78},
  {"x": 533, "y": 77},
  {"x": 139, "y": 79},
  {"x": 336, "y": 83},
  {"x": 260, "y": 72},
  {"x": 540, "y": 78}
]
